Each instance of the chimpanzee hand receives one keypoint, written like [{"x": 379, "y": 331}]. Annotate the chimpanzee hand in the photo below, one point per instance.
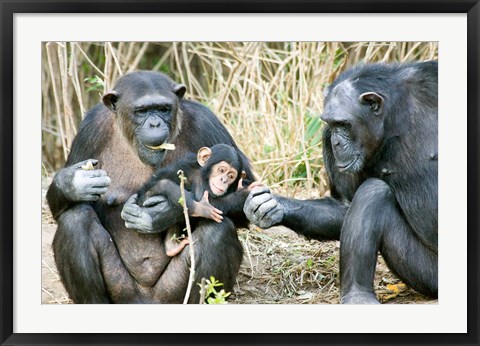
[
  {"x": 149, "y": 218},
  {"x": 81, "y": 182},
  {"x": 262, "y": 209},
  {"x": 203, "y": 208}
]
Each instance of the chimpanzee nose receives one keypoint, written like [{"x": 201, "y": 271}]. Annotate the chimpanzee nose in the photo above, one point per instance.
[{"x": 154, "y": 122}]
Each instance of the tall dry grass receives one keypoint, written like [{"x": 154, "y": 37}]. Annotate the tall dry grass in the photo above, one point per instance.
[{"x": 269, "y": 95}]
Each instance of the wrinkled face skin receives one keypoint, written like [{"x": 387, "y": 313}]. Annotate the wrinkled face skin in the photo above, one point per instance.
[
  {"x": 146, "y": 105},
  {"x": 222, "y": 175},
  {"x": 153, "y": 118},
  {"x": 355, "y": 124}
]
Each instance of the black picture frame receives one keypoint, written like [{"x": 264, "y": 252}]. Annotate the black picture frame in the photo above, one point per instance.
[{"x": 10, "y": 7}]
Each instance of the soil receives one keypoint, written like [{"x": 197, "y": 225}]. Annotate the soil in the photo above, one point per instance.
[{"x": 279, "y": 267}]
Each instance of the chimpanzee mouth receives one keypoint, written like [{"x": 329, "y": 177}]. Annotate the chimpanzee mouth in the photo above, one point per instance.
[
  {"x": 347, "y": 166},
  {"x": 163, "y": 146},
  {"x": 216, "y": 190}
]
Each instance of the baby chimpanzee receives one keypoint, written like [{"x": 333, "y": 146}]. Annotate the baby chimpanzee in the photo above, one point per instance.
[{"x": 213, "y": 172}]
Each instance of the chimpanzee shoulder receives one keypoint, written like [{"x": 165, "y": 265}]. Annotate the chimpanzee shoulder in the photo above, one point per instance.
[
  {"x": 94, "y": 130},
  {"x": 199, "y": 118}
]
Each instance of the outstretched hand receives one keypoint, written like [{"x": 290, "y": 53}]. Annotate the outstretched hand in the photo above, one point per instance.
[
  {"x": 203, "y": 208},
  {"x": 262, "y": 209}
]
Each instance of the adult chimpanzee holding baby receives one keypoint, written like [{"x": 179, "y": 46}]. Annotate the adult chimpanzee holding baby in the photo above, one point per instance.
[
  {"x": 380, "y": 152},
  {"x": 214, "y": 172},
  {"x": 107, "y": 248}
]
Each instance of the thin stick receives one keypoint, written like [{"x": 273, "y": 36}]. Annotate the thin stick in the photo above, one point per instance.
[
  {"x": 50, "y": 47},
  {"x": 202, "y": 292},
  {"x": 189, "y": 233}
]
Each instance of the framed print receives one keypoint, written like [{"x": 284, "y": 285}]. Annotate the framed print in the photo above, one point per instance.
[{"x": 348, "y": 130}]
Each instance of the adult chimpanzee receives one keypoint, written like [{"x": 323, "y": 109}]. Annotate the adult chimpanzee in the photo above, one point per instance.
[
  {"x": 214, "y": 172},
  {"x": 380, "y": 152},
  {"x": 104, "y": 259}
]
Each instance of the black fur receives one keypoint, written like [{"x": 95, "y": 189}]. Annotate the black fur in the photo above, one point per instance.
[
  {"x": 380, "y": 152},
  {"x": 197, "y": 182}
]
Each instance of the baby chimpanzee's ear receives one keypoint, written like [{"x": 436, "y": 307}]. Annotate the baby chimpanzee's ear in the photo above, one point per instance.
[{"x": 203, "y": 155}]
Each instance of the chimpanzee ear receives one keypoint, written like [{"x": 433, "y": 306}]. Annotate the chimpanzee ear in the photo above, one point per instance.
[
  {"x": 180, "y": 90},
  {"x": 203, "y": 155},
  {"x": 110, "y": 100},
  {"x": 243, "y": 175},
  {"x": 374, "y": 100}
]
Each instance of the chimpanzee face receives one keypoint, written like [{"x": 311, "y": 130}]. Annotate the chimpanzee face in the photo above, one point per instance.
[
  {"x": 222, "y": 175},
  {"x": 221, "y": 169},
  {"x": 147, "y": 109},
  {"x": 355, "y": 123}
]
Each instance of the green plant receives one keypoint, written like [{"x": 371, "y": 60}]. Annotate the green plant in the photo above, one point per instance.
[
  {"x": 212, "y": 296},
  {"x": 96, "y": 84}
]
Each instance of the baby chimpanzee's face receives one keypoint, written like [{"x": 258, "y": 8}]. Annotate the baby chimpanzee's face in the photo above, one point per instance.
[{"x": 222, "y": 176}]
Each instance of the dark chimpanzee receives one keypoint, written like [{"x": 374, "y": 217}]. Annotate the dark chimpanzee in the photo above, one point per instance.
[
  {"x": 212, "y": 172},
  {"x": 380, "y": 152},
  {"x": 103, "y": 258}
]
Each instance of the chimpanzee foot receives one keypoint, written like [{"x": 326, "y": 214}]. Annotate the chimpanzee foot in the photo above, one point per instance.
[
  {"x": 175, "y": 251},
  {"x": 359, "y": 298}
]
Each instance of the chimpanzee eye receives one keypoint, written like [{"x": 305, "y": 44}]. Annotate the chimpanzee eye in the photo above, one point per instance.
[
  {"x": 221, "y": 170},
  {"x": 140, "y": 110},
  {"x": 165, "y": 108},
  {"x": 340, "y": 124}
]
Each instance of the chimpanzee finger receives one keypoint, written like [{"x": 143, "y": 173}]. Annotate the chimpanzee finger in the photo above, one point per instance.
[
  {"x": 216, "y": 216},
  {"x": 131, "y": 209},
  {"x": 266, "y": 207},
  {"x": 260, "y": 190},
  {"x": 132, "y": 200},
  {"x": 139, "y": 227},
  {"x": 97, "y": 190},
  {"x": 100, "y": 182},
  {"x": 217, "y": 211},
  {"x": 252, "y": 204},
  {"x": 90, "y": 197},
  {"x": 135, "y": 219},
  {"x": 254, "y": 185},
  {"x": 86, "y": 179},
  {"x": 154, "y": 200},
  {"x": 272, "y": 218},
  {"x": 95, "y": 173},
  {"x": 83, "y": 163}
]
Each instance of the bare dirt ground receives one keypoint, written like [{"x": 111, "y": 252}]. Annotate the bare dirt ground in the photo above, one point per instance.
[{"x": 279, "y": 267}]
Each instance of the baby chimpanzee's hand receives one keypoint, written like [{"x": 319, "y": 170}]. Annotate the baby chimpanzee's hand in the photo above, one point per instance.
[{"x": 203, "y": 208}]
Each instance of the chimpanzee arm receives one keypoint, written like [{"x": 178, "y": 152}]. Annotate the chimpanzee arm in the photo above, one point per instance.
[
  {"x": 231, "y": 203},
  {"x": 74, "y": 184},
  {"x": 158, "y": 183},
  {"x": 318, "y": 219},
  {"x": 157, "y": 213}
]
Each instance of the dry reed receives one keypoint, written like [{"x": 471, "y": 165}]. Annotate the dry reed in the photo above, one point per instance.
[{"x": 269, "y": 95}]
